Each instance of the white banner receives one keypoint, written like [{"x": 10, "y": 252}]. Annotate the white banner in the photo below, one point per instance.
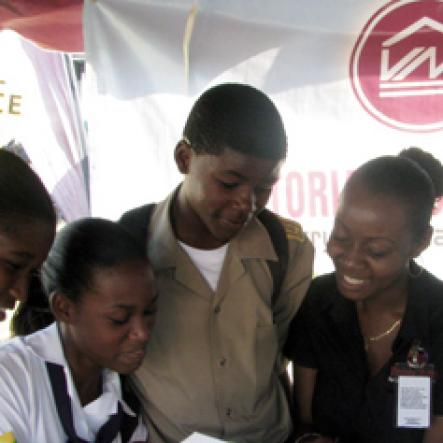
[{"x": 353, "y": 80}]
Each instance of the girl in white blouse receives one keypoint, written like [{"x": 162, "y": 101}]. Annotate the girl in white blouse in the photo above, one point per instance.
[{"x": 62, "y": 383}]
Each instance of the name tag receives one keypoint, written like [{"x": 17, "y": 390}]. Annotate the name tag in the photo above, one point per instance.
[
  {"x": 414, "y": 402},
  {"x": 414, "y": 380}
]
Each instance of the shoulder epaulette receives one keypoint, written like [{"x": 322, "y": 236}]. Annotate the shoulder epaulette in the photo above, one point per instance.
[{"x": 293, "y": 230}]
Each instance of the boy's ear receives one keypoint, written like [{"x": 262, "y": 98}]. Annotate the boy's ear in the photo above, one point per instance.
[
  {"x": 182, "y": 155},
  {"x": 62, "y": 307}
]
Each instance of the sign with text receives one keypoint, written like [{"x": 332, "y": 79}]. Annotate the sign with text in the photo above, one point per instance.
[{"x": 397, "y": 65}]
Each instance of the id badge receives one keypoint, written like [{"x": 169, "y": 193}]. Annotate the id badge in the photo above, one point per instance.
[
  {"x": 414, "y": 401},
  {"x": 414, "y": 389}
]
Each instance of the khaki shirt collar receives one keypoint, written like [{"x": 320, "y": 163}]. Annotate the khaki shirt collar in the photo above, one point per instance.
[
  {"x": 163, "y": 247},
  {"x": 252, "y": 242}
]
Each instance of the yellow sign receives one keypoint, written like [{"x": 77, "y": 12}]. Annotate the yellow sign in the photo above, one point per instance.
[
  {"x": 9, "y": 103},
  {"x": 8, "y": 438}
]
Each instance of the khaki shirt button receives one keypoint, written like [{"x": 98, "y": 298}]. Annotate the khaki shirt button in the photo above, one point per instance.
[
  {"x": 222, "y": 361},
  {"x": 217, "y": 309}
]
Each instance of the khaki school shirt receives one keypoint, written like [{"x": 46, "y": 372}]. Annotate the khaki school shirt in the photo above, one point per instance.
[{"x": 214, "y": 358}]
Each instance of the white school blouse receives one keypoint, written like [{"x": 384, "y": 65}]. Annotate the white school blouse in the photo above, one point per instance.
[{"x": 27, "y": 406}]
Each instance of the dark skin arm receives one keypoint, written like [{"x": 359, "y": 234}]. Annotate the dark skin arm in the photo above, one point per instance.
[
  {"x": 435, "y": 432},
  {"x": 304, "y": 383}
]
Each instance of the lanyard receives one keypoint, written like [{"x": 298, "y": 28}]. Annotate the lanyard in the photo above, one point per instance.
[{"x": 107, "y": 433}]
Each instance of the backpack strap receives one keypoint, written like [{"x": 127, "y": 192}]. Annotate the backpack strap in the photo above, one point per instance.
[
  {"x": 277, "y": 234},
  {"x": 136, "y": 222}
]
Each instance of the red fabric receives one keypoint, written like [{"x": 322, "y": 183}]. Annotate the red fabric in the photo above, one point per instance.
[{"x": 52, "y": 24}]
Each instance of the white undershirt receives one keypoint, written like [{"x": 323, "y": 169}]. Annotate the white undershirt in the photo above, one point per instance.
[{"x": 208, "y": 262}]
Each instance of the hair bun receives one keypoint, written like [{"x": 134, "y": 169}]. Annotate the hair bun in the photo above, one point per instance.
[{"x": 429, "y": 164}]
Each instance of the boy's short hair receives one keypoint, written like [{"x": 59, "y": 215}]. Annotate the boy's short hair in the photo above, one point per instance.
[{"x": 239, "y": 117}]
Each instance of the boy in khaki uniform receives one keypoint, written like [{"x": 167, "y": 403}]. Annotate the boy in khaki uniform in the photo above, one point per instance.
[{"x": 215, "y": 354}]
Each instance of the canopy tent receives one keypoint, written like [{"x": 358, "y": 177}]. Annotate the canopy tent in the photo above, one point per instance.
[{"x": 52, "y": 24}]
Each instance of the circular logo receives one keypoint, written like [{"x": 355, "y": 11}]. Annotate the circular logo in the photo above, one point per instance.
[{"x": 397, "y": 65}]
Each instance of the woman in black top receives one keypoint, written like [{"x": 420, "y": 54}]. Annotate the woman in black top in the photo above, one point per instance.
[{"x": 375, "y": 310}]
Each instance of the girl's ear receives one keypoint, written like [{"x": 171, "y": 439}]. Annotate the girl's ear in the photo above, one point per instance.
[
  {"x": 424, "y": 242},
  {"x": 62, "y": 307},
  {"x": 183, "y": 155}
]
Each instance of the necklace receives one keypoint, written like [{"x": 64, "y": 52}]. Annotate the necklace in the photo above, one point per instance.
[{"x": 384, "y": 334}]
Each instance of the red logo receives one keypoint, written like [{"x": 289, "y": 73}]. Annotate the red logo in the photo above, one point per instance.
[{"x": 397, "y": 65}]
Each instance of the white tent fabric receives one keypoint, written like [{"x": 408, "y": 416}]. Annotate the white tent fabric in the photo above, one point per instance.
[{"x": 345, "y": 92}]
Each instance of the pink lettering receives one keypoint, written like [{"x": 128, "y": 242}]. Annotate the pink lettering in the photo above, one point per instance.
[
  {"x": 295, "y": 194},
  {"x": 317, "y": 187}
]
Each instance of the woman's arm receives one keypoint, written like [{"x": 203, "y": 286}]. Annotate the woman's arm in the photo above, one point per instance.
[
  {"x": 435, "y": 433},
  {"x": 304, "y": 384}
]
